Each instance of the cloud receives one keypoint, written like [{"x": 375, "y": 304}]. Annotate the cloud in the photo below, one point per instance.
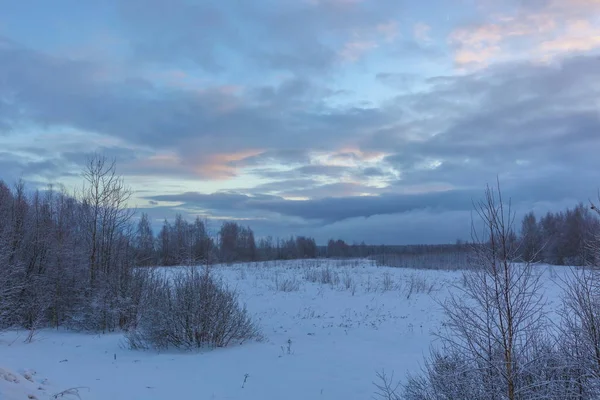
[
  {"x": 354, "y": 50},
  {"x": 32, "y": 169},
  {"x": 389, "y": 30},
  {"x": 322, "y": 115},
  {"x": 338, "y": 209},
  {"x": 328, "y": 209},
  {"x": 407, "y": 228},
  {"x": 373, "y": 171},
  {"x": 206, "y": 131},
  {"x": 421, "y": 32},
  {"x": 542, "y": 31},
  {"x": 401, "y": 81},
  {"x": 527, "y": 123},
  {"x": 500, "y": 121},
  {"x": 329, "y": 190},
  {"x": 579, "y": 36},
  {"x": 279, "y": 156},
  {"x": 281, "y": 187},
  {"x": 294, "y": 36},
  {"x": 453, "y": 131}
]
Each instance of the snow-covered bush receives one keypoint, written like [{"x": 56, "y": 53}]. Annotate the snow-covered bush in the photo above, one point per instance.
[
  {"x": 455, "y": 374},
  {"x": 323, "y": 275},
  {"x": 387, "y": 282},
  {"x": 418, "y": 284},
  {"x": 448, "y": 375},
  {"x": 190, "y": 309},
  {"x": 287, "y": 284}
]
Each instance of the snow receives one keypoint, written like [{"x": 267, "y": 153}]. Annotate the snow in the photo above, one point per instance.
[
  {"x": 322, "y": 341},
  {"x": 27, "y": 385}
]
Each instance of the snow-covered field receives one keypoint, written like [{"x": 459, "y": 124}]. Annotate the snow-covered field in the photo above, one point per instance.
[{"x": 322, "y": 341}]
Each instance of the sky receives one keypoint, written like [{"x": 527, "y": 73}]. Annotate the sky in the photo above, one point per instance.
[{"x": 367, "y": 120}]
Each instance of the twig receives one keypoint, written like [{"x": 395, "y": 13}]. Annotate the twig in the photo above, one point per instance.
[{"x": 70, "y": 392}]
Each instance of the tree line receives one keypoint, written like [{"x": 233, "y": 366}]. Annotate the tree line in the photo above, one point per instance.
[
  {"x": 68, "y": 259},
  {"x": 190, "y": 243},
  {"x": 561, "y": 238}
]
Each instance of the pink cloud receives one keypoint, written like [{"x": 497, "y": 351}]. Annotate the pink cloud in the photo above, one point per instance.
[
  {"x": 557, "y": 29},
  {"x": 220, "y": 166},
  {"x": 579, "y": 35},
  {"x": 364, "y": 41},
  {"x": 213, "y": 167},
  {"x": 342, "y": 3},
  {"x": 421, "y": 32},
  {"x": 354, "y": 50},
  {"x": 389, "y": 30}
]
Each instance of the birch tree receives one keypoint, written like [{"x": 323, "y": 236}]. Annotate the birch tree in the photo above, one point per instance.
[{"x": 494, "y": 319}]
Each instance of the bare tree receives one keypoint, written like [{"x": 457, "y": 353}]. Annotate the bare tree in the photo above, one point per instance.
[
  {"x": 65, "y": 260},
  {"x": 11, "y": 282},
  {"x": 106, "y": 218},
  {"x": 493, "y": 319},
  {"x": 580, "y": 329},
  {"x": 504, "y": 310},
  {"x": 145, "y": 242},
  {"x": 104, "y": 197},
  {"x": 580, "y": 322},
  {"x": 531, "y": 240}
]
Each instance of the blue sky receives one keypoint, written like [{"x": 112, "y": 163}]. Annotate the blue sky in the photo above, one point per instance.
[{"x": 356, "y": 119}]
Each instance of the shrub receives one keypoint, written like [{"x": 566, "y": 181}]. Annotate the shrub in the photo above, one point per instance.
[
  {"x": 324, "y": 276},
  {"x": 287, "y": 285},
  {"x": 347, "y": 280},
  {"x": 418, "y": 284},
  {"x": 387, "y": 282},
  {"x": 445, "y": 376},
  {"x": 189, "y": 310}
]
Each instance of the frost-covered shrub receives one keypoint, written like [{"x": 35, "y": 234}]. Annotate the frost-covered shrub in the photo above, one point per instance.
[
  {"x": 311, "y": 275},
  {"x": 287, "y": 284},
  {"x": 418, "y": 284},
  {"x": 387, "y": 282},
  {"x": 190, "y": 309},
  {"x": 348, "y": 281},
  {"x": 324, "y": 276},
  {"x": 451, "y": 374},
  {"x": 445, "y": 376},
  {"x": 498, "y": 341}
]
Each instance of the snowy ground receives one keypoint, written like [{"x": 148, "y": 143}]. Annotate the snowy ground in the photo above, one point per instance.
[{"x": 322, "y": 341}]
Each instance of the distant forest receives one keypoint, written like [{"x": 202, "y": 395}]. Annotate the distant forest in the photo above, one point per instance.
[{"x": 559, "y": 238}]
